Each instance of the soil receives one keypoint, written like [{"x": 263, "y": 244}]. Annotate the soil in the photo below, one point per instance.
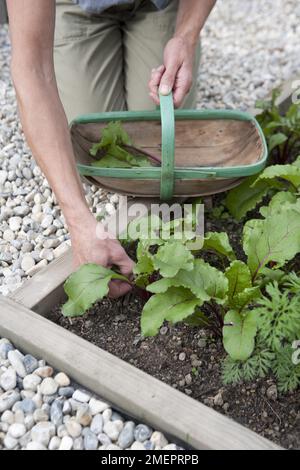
[{"x": 189, "y": 358}]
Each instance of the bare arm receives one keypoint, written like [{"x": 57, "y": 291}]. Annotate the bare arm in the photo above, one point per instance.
[
  {"x": 45, "y": 125},
  {"x": 177, "y": 71}
]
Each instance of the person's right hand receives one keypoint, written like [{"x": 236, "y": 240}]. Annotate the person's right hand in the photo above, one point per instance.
[{"x": 88, "y": 247}]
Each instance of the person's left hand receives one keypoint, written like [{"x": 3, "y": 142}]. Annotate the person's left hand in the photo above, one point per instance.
[{"x": 176, "y": 74}]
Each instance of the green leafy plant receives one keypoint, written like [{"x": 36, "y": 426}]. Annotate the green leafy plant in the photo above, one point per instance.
[
  {"x": 282, "y": 132},
  {"x": 274, "y": 179},
  {"x": 115, "y": 150}
]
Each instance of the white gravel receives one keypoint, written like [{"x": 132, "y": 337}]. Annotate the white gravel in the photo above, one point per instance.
[
  {"x": 249, "y": 47},
  {"x": 41, "y": 410}
]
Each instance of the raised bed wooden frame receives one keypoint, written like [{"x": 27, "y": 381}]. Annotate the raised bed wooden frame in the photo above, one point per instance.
[{"x": 23, "y": 321}]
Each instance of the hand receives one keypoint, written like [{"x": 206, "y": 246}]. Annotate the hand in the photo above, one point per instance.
[
  {"x": 89, "y": 248},
  {"x": 177, "y": 72}
]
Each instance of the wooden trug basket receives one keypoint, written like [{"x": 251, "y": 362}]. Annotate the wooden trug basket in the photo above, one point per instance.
[{"x": 203, "y": 152}]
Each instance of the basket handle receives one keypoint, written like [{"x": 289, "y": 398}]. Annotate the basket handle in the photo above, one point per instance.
[{"x": 168, "y": 146}]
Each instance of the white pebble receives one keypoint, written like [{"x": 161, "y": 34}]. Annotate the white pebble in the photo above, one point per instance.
[{"x": 66, "y": 443}]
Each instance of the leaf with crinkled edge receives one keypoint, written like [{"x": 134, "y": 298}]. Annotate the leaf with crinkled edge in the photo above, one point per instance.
[
  {"x": 204, "y": 281},
  {"x": 276, "y": 238},
  {"x": 171, "y": 257},
  {"x": 290, "y": 173},
  {"x": 86, "y": 286},
  {"x": 219, "y": 242},
  {"x": 174, "y": 305},
  {"x": 276, "y": 202}
]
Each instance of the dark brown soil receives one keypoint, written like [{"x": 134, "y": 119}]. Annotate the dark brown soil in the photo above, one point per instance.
[{"x": 190, "y": 360}]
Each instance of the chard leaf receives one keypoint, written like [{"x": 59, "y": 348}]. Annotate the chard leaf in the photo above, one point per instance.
[
  {"x": 219, "y": 242},
  {"x": 171, "y": 257},
  {"x": 204, "y": 281},
  {"x": 276, "y": 202},
  {"x": 239, "y": 334},
  {"x": 290, "y": 173},
  {"x": 174, "y": 305},
  {"x": 276, "y": 238},
  {"x": 245, "y": 197},
  {"x": 86, "y": 286}
]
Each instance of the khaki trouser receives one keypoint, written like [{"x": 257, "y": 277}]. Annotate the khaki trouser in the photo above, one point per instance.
[{"x": 103, "y": 62}]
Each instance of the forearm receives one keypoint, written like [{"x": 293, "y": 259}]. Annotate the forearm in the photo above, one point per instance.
[
  {"x": 191, "y": 17},
  {"x": 46, "y": 130}
]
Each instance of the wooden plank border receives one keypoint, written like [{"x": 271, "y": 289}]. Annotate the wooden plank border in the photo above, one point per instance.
[{"x": 130, "y": 389}]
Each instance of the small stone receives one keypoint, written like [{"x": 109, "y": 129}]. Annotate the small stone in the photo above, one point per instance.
[
  {"x": 40, "y": 415},
  {"x": 54, "y": 444},
  {"x": 30, "y": 363},
  {"x": 202, "y": 343},
  {"x": 126, "y": 437},
  {"x": 42, "y": 433},
  {"x": 17, "y": 430},
  {"x": 137, "y": 446},
  {"x": 8, "y": 380},
  {"x": 78, "y": 444},
  {"x": 97, "y": 406},
  {"x": 47, "y": 221},
  {"x": 27, "y": 173},
  {"x": 62, "y": 380},
  {"x": 81, "y": 396},
  {"x": 48, "y": 386},
  {"x": 35, "y": 446},
  {"x": 10, "y": 442},
  {"x": 159, "y": 440},
  {"x": 164, "y": 330},
  {"x": 62, "y": 431},
  {"x": 97, "y": 424},
  {"x": 3, "y": 177},
  {"x": 8, "y": 399},
  {"x": 19, "y": 416},
  {"x": 218, "y": 399},
  {"x": 142, "y": 433},
  {"x": 15, "y": 223},
  {"x": 37, "y": 400},
  {"x": 112, "y": 429},
  {"x": 90, "y": 441},
  {"x": 74, "y": 429},
  {"x": 27, "y": 263},
  {"x": 28, "y": 406},
  {"x": 44, "y": 372},
  {"x": 8, "y": 235},
  {"x": 272, "y": 393},
  {"x": 66, "y": 443},
  {"x": 66, "y": 392},
  {"x": 67, "y": 408},
  {"x": 83, "y": 415},
  {"x": 107, "y": 414},
  {"x": 31, "y": 382},
  {"x": 7, "y": 417},
  {"x": 104, "y": 439},
  {"x": 17, "y": 363},
  {"x": 56, "y": 413},
  {"x": 29, "y": 422},
  {"x": 4, "y": 349},
  {"x": 182, "y": 356}
]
